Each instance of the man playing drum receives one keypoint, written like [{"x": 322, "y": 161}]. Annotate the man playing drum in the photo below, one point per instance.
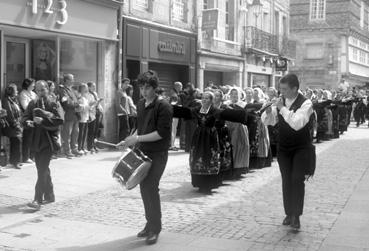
[{"x": 154, "y": 120}]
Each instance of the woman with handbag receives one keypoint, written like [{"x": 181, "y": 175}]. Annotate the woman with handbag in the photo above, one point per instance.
[{"x": 14, "y": 130}]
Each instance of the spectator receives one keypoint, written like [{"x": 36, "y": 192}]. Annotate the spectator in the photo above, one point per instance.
[
  {"x": 69, "y": 133},
  {"x": 84, "y": 116},
  {"x": 25, "y": 97},
  {"x": 14, "y": 130}
]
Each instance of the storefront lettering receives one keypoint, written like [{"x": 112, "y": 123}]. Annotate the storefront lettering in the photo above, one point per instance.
[
  {"x": 171, "y": 47},
  {"x": 48, "y": 9}
]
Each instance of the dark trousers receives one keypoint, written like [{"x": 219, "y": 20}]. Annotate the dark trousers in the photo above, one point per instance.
[
  {"x": 291, "y": 165},
  {"x": 91, "y": 134},
  {"x": 44, "y": 186},
  {"x": 82, "y": 134},
  {"x": 149, "y": 188},
  {"x": 15, "y": 150},
  {"x": 26, "y": 142},
  {"x": 123, "y": 127}
]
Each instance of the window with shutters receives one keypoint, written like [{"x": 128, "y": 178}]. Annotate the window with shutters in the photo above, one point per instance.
[
  {"x": 317, "y": 10},
  {"x": 178, "y": 10}
]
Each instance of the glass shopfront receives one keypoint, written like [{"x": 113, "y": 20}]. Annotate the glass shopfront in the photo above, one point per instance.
[{"x": 80, "y": 58}]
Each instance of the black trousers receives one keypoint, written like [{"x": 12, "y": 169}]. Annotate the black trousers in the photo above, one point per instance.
[
  {"x": 26, "y": 142},
  {"x": 15, "y": 150},
  {"x": 149, "y": 188},
  {"x": 44, "y": 186},
  {"x": 82, "y": 134},
  {"x": 123, "y": 127},
  {"x": 91, "y": 132},
  {"x": 292, "y": 167}
]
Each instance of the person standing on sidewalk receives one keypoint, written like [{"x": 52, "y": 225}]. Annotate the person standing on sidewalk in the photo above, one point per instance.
[
  {"x": 154, "y": 120},
  {"x": 123, "y": 110},
  {"x": 296, "y": 153},
  {"x": 25, "y": 96},
  {"x": 69, "y": 133},
  {"x": 43, "y": 115}
]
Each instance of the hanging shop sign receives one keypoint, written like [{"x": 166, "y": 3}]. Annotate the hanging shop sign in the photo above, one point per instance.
[
  {"x": 281, "y": 64},
  {"x": 210, "y": 19}
]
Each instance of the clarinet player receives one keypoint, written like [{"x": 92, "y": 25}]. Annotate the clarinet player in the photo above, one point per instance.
[
  {"x": 42, "y": 114},
  {"x": 296, "y": 153}
]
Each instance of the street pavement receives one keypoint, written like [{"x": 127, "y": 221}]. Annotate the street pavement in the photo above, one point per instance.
[{"x": 93, "y": 212}]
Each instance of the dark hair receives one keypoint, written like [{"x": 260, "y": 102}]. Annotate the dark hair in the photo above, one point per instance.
[
  {"x": 10, "y": 90},
  {"x": 126, "y": 79},
  {"x": 50, "y": 83},
  {"x": 159, "y": 91},
  {"x": 128, "y": 89},
  {"x": 149, "y": 78},
  {"x": 89, "y": 84},
  {"x": 27, "y": 83},
  {"x": 290, "y": 79}
]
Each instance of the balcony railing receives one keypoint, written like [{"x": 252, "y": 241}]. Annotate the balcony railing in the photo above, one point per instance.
[
  {"x": 261, "y": 40},
  {"x": 218, "y": 45},
  {"x": 269, "y": 43}
]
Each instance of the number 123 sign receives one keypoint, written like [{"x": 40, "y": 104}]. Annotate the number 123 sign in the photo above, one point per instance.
[{"x": 49, "y": 9}]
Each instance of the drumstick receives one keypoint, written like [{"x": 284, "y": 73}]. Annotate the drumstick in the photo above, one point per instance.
[{"x": 105, "y": 143}]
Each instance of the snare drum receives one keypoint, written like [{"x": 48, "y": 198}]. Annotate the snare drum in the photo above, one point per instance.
[{"x": 131, "y": 168}]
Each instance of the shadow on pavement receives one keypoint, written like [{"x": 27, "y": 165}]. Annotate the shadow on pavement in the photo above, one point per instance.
[
  {"x": 129, "y": 243},
  {"x": 20, "y": 208}
]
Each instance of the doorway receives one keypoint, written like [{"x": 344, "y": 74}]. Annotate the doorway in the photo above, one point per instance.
[{"x": 17, "y": 60}]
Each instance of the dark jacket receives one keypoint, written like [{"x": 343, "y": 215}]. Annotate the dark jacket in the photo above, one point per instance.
[
  {"x": 46, "y": 134},
  {"x": 13, "y": 117},
  {"x": 158, "y": 115},
  {"x": 69, "y": 102}
]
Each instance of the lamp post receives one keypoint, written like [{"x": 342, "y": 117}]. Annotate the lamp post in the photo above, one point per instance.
[{"x": 257, "y": 8}]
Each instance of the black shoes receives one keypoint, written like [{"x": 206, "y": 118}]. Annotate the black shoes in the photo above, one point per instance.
[
  {"x": 151, "y": 237},
  {"x": 143, "y": 233},
  {"x": 35, "y": 205},
  {"x": 295, "y": 222},
  {"x": 287, "y": 221}
]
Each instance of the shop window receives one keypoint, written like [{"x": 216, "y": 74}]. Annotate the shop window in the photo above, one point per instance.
[{"x": 79, "y": 57}]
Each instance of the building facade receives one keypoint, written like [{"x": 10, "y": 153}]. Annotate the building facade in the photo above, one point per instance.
[
  {"x": 159, "y": 35},
  {"x": 268, "y": 49},
  {"x": 220, "y": 39},
  {"x": 333, "y": 42},
  {"x": 45, "y": 39},
  {"x": 241, "y": 42}
]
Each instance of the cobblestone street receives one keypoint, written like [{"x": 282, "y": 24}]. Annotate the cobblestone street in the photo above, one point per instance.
[{"x": 249, "y": 209}]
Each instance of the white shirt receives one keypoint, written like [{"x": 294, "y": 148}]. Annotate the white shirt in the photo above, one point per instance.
[
  {"x": 297, "y": 120},
  {"x": 25, "y": 97}
]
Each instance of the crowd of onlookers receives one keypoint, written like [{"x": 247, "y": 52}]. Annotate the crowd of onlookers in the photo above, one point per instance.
[{"x": 78, "y": 104}]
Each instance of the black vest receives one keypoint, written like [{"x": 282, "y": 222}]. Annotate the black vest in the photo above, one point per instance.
[{"x": 288, "y": 137}]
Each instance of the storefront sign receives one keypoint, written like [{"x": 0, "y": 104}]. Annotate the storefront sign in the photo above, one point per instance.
[
  {"x": 89, "y": 18},
  {"x": 210, "y": 19},
  {"x": 48, "y": 8},
  {"x": 171, "y": 47}
]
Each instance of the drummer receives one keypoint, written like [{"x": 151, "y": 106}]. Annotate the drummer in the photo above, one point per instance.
[{"x": 154, "y": 120}]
